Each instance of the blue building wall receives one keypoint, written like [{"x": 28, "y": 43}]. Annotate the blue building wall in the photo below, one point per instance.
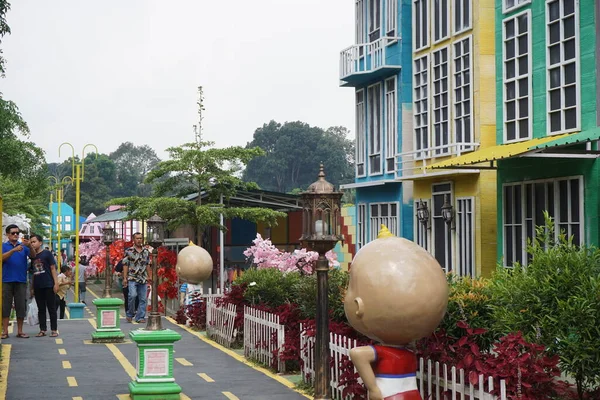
[
  {"x": 67, "y": 225},
  {"x": 389, "y": 193}
]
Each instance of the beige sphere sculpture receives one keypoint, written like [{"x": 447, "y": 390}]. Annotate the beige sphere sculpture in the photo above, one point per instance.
[
  {"x": 194, "y": 264},
  {"x": 397, "y": 291}
]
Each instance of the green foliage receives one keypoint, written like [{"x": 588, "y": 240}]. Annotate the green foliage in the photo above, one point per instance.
[
  {"x": 554, "y": 301},
  {"x": 272, "y": 287},
  {"x": 4, "y": 29},
  {"x": 306, "y": 293},
  {"x": 133, "y": 164},
  {"x": 16, "y": 199},
  {"x": 293, "y": 152}
]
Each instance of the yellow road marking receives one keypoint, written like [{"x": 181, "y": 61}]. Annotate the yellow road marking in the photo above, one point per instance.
[
  {"x": 62, "y": 352},
  {"x": 184, "y": 362},
  {"x": 78, "y": 398},
  {"x": 66, "y": 364},
  {"x": 231, "y": 396},
  {"x": 183, "y": 397},
  {"x": 239, "y": 357},
  {"x": 4, "y": 364},
  {"x": 127, "y": 366},
  {"x": 67, "y": 313},
  {"x": 72, "y": 381},
  {"x": 92, "y": 321},
  {"x": 123, "y": 397},
  {"x": 205, "y": 377},
  {"x": 58, "y": 341},
  {"x": 92, "y": 292}
]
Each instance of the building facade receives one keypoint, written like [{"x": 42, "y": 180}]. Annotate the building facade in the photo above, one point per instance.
[
  {"x": 547, "y": 130},
  {"x": 66, "y": 221},
  {"x": 378, "y": 67}
]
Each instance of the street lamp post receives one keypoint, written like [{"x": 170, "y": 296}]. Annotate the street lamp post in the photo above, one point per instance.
[
  {"x": 154, "y": 373},
  {"x": 321, "y": 206},
  {"x": 108, "y": 237}
]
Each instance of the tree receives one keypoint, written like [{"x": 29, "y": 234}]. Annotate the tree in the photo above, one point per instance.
[
  {"x": 293, "y": 152},
  {"x": 212, "y": 173},
  {"x": 133, "y": 164}
]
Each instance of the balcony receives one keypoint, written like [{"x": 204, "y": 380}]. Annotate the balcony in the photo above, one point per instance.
[{"x": 368, "y": 62}]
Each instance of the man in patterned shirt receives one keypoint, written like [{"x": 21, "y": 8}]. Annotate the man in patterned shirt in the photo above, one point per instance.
[{"x": 136, "y": 265}]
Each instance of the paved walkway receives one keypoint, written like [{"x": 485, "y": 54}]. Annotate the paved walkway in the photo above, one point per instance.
[{"x": 71, "y": 367}]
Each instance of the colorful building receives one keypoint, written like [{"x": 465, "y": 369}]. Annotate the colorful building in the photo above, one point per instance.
[
  {"x": 66, "y": 222},
  {"x": 378, "y": 67},
  {"x": 547, "y": 115}
]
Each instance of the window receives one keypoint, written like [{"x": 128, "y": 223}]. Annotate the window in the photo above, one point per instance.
[
  {"x": 361, "y": 35},
  {"x": 386, "y": 214},
  {"x": 440, "y": 101},
  {"x": 91, "y": 229},
  {"x": 391, "y": 121},
  {"x": 360, "y": 133},
  {"x": 465, "y": 233},
  {"x": 83, "y": 229},
  {"x": 420, "y": 24},
  {"x": 463, "y": 92},
  {"x": 421, "y": 104},
  {"x": 67, "y": 218},
  {"x": 374, "y": 20},
  {"x": 375, "y": 128},
  {"x": 562, "y": 42},
  {"x": 517, "y": 77},
  {"x": 421, "y": 231},
  {"x": 361, "y": 226},
  {"x": 440, "y": 20},
  {"x": 67, "y": 227},
  {"x": 524, "y": 204},
  {"x": 509, "y": 5},
  {"x": 391, "y": 12},
  {"x": 442, "y": 241},
  {"x": 462, "y": 15}
]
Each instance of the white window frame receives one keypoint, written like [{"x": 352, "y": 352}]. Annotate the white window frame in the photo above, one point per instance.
[
  {"x": 421, "y": 103},
  {"x": 455, "y": 86},
  {"x": 445, "y": 150},
  {"x": 516, "y": 78},
  {"x": 465, "y": 237},
  {"x": 361, "y": 225},
  {"x": 391, "y": 123},
  {"x": 360, "y": 22},
  {"x": 361, "y": 134},
  {"x": 422, "y": 231},
  {"x": 449, "y": 236},
  {"x": 518, "y": 4},
  {"x": 556, "y": 212},
  {"x": 391, "y": 18},
  {"x": 67, "y": 227},
  {"x": 437, "y": 23},
  {"x": 377, "y": 131},
  {"x": 377, "y": 23},
  {"x": 420, "y": 5},
  {"x": 460, "y": 4},
  {"x": 391, "y": 222},
  {"x": 67, "y": 218},
  {"x": 560, "y": 65}
]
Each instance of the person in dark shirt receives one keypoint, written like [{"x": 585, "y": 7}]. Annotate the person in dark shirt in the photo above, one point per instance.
[
  {"x": 119, "y": 269},
  {"x": 45, "y": 285},
  {"x": 14, "y": 279}
]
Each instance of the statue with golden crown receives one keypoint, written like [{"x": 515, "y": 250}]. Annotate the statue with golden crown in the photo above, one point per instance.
[{"x": 397, "y": 294}]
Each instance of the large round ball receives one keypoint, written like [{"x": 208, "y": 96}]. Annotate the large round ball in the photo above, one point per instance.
[
  {"x": 397, "y": 291},
  {"x": 194, "y": 264}
]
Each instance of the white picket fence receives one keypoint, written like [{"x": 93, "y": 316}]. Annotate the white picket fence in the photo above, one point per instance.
[
  {"x": 264, "y": 337},
  {"x": 220, "y": 322},
  {"x": 433, "y": 379}
]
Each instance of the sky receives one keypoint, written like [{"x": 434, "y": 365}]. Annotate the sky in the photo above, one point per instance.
[{"x": 114, "y": 71}]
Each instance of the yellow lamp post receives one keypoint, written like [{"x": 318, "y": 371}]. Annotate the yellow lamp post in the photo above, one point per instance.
[
  {"x": 77, "y": 174},
  {"x": 59, "y": 191}
]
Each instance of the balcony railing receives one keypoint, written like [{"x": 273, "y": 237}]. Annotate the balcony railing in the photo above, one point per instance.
[
  {"x": 415, "y": 162},
  {"x": 368, "y": 57}
]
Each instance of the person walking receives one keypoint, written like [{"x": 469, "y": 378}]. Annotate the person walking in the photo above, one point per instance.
[
  {"x": 135, "y": 277},
  {"x": 14, "y": 279},
  {"x": 45, "y": 285},
  {"x": 82, "y": 285},
  {"x": 64, "y": 283},
  {"x": 119, "y": 271}
]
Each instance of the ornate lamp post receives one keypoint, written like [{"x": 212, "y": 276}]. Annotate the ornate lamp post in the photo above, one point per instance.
[
  {"x": 448, "y": 213},
  {"x": 108, "y": 237},
  {"x": 423, "y": 214},
  {"x": 321, "y": 230},
  {"x": 154, "y": 372},
  {"x": 108, "y": 324}
]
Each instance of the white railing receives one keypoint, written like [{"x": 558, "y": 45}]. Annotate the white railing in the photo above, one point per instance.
[
  {"x": 434, "y": 379},
  {"x": 365, "y": 57},
  {"x": 220, "y": 321},
  {"x": 264, "y": 337},
  {"x": 416, "y": 161}
]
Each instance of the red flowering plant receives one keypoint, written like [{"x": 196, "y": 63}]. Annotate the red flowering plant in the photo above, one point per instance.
[
  {"x": 117, "y": 252},
  {"x": 167, "y": 260}
]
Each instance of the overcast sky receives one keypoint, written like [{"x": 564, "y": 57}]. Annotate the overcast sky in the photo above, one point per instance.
[{"x": 105, "y": 72}]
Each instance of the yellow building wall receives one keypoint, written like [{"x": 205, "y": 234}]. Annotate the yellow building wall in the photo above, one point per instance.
[
  {"x": 278, "y": 232},
  {"x": 345, "y": 252}
]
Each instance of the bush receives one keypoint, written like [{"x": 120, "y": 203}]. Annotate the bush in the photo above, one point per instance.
[
  {"x": 306, "y": 294},
  {"x": 555, "y": 301},
  {"x": 268, "y": 286}
]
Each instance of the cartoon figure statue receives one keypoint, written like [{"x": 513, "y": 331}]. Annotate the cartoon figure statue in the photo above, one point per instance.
[{"x": 397, "y": 294}]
